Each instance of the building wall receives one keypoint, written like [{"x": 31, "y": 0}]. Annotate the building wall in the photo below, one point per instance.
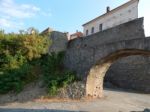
[
  {"x": 59, "y": 41},
  {"x": 83, "y": 53},
  {"x": 73, "y": 37},
  {"x": 115, "y": 18},
  {"x": 80, "y": 54}
]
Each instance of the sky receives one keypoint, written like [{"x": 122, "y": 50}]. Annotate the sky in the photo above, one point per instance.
[{"x": 60, "y": 15}]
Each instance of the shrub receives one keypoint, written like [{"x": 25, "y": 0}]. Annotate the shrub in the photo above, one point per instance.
[
  {"x": 24, "y": 57},
  {"x": 14, "y": 79},
  {"x": 55, "y": 75},
  {"x": 16, "y": 54}
]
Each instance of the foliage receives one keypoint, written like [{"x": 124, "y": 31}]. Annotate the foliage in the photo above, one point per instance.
[
  {"x": 34, "y": 46},
  {"x": 16, "y": 49},
  {"x": 16, "y": 53},
  {"x": 32, "y": 30},
  {"x": 14, "y": 79},
  {"x": 24, "y": 58},
  {"x": 55, "y": 76}
]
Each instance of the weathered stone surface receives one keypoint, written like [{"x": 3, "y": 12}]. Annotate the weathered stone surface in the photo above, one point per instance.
[
  {"x": 82, "y": 59},
  {"x": 127, "y": 31},
  {"x": 75, "y": 90},
  {"x": 82, "y": 53},
  {"x": 97, "y": 52},
  {"x": 131, "y": 72},
  {"x": 59, "y": 41}
]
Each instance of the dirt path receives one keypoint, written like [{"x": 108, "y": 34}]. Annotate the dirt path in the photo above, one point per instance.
[{"x": 114, "y": 101}]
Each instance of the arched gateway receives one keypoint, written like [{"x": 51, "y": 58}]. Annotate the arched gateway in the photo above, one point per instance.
[
  {"x": 92, "y": 56},
  {"x": 95, "y": 77}
]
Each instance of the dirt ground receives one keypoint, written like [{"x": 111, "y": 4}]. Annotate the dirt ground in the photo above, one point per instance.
[{"x": 113, "y": 101}]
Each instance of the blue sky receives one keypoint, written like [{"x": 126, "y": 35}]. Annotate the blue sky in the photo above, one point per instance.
[{"x": 61, "y": 15}]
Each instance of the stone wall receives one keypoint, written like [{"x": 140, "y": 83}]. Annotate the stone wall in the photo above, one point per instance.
[
  {"x": 131, "y": 72},
  {"x": 59, "y": 41},
  {"x": 130, "y": 30},
  {"x": 83, "y": 53}
]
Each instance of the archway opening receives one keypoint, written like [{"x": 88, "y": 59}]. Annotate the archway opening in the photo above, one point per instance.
[
  {"x": 130, "y": 74},
  {"x": 95, "y": 78}
]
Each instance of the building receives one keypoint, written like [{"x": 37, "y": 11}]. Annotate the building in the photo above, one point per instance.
[
  {"x": 47, "y": 31},
  {"x": 112, "y": 18},
  {"x": 67, "y": 35},
  {"x": 76, "y": 35}
]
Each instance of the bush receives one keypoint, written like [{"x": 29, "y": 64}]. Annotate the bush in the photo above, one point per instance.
[
  {"x": 55, "y": 75},
  {"x": 14, "y": 79},
  {"x": 24, "y": 57},
  {"x": 16, "y": 54}
]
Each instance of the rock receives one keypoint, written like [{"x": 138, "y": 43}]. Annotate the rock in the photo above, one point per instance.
[{"x": 75, "y": 90}]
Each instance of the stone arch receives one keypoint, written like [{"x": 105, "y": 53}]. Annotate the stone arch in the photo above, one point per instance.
[{"x": 95, "y": 77}]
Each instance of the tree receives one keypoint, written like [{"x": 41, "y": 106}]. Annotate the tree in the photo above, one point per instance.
[
  {"x": 32, "y": 30},
  {"x": 22, "y": 32},
  {"x": 2, "y": 33}
]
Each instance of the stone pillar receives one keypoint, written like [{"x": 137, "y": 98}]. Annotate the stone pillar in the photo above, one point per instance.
[
  {"x": 95, "y": 78},
  {"x": 94, "y": 86}
]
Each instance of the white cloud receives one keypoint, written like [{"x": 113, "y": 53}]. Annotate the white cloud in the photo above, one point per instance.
[
  {"x": 46, "y": 14},
  {"x": 13, "y": 14},
  {"x": 6, "y": 23},
  {"x": 12, "y": 9}
]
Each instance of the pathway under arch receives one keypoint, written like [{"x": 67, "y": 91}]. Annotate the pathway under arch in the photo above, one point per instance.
[{"x": 95, "y": 77}]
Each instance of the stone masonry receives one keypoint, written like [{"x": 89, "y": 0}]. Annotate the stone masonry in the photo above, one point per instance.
[
  {"x": 133, "y": 71},
  {"x": 59, "y": 41},
  {"x": 92, "y": 56}
]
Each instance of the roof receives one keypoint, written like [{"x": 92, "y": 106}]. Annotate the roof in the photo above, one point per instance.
[
  {"x": 47, "y": 30},
  {"x": 112, "y": 11},
  {"x": 78, "y": 34}
]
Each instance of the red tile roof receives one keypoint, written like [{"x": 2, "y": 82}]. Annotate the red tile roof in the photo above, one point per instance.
[{"x": 78, "y": 34}]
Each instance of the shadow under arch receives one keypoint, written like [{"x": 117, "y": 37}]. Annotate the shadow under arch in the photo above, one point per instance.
[{"x": 95, "y": 77}]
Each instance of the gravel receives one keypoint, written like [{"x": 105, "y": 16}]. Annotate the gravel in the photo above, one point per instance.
[{"x": 114, "y": 101}]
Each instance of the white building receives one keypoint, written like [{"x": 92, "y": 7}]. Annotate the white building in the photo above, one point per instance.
[{"x": 117, "y": 16}]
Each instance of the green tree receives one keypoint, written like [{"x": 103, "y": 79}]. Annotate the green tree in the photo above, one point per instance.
[{"x": 32, "y": 30}]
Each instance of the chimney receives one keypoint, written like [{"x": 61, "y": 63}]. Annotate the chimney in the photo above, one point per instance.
[
  {"x": 107, "y": 9},
  {"x": 76, "y": 31}
]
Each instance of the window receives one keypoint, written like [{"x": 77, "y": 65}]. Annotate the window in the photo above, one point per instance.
[
  {"x": 87, "y": 32},
  {"x": 100, "y": 27},
  {"x": 92, "y": 30}
]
